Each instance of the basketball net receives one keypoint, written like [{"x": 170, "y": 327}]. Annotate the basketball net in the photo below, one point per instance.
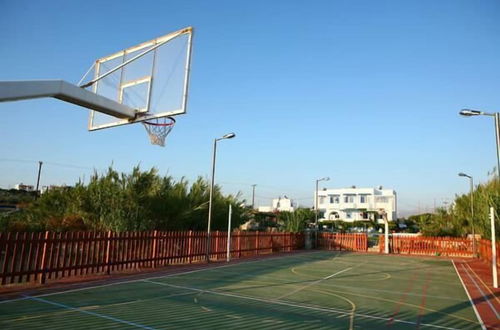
[{"x": 158, "y": 129}]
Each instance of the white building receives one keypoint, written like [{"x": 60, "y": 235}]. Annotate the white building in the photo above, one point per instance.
[
  {"x": 356, "y": 204},
  {"x": 22, "y": 186},
  {"x": 278, "y": 204}
]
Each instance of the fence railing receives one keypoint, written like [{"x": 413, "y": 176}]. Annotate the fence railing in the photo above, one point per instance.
[
  {"x": 485, "y": 253},
  {"x": 435, "y": 246},
  {"x": 337, "y": 241},
  {"x": 38, "y": 257}
]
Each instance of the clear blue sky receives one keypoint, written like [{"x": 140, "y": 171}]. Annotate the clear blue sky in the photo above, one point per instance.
[{"x": 366, "y": 92}]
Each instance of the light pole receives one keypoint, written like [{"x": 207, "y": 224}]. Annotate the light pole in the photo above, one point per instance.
[
  {"x": 496, "y": 116},
  {"x": 226, "y": 136},
  {"x": 316, "y": 207},
  {"x": 471, "y": 210},
  {"x": 253, "y": 196}
]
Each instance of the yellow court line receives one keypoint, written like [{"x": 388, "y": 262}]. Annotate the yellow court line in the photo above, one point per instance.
[
  {"x": 387, "y": 276},
  {"x": 351, "y": 317},
  {"x": 493, "y": 294},
  {"x": 404, "y": 303}
]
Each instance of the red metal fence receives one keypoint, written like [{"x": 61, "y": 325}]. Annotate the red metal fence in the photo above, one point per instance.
[
  {"x": 336, "y": 241},
  {"x": 30, "y": 257},
  {"x": 484, "y": 249},
  {"x": 430, "y": 246}
]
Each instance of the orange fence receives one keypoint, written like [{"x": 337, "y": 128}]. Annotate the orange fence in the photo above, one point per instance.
[
  {"x": 484, "y": 249},
  {"x": 423, "y": 245},
  {"x": 30, "y": 257},
  {"x": 336, "y": 241}
]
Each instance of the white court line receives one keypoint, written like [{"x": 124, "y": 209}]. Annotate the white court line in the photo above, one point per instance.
[
  {"x": 290, "y": 304},
  {"x": 154, "y": 277},
  {"x": 313, "y": 283},
  {"x": 481, "y": 291},
  {"x": 137, "y": 325},
  {"x": 468, "y": 295}
]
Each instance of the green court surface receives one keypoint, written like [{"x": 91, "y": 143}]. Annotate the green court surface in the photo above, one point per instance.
[{"x": 314, "y": 290}]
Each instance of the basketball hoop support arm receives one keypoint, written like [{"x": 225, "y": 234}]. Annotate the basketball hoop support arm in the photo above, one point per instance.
[{"x": 62, "y": 90}]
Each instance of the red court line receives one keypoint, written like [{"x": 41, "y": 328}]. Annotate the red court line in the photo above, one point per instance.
[
  {"x": 424, "y": 295},
  {"x": 481, "y": 296},
  {"x": 402, "y": 300}
]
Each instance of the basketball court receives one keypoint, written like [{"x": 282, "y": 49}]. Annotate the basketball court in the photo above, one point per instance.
[{"x": 311, "y": 290}]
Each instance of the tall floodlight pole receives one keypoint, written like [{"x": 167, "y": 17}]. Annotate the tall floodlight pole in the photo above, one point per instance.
[
  {"x": 316, "y": 207},
  {"x": 471, "y": 210},
  {"x": 227, "y": 136},
  {"x": 40, "y": 163},
  {"x": 253, "y": 196},
  {"x": 496, "y": 116}
]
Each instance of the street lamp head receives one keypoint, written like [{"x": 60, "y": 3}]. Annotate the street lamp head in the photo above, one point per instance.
[
  {"x": 228, "y": 136},
  {"x": 463, "y": 174},
  {"x": 470, "y": 112},
  {"x": 324, "y": 179}
]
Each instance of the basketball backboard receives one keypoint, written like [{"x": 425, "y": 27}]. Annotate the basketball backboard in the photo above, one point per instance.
[{"x": 151, "y": 78}]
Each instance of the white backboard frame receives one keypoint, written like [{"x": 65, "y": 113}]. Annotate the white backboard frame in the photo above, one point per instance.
[{"x": 141, "y": 114}]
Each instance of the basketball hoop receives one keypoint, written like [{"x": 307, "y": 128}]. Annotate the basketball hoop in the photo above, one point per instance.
[{"x": 158, "y": 129}]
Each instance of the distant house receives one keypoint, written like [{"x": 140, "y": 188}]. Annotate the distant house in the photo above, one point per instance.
[
  {"x": 357, "y": 204},
  {"x": 25, "y": 187},
  {"x": 278, "y": 204}
]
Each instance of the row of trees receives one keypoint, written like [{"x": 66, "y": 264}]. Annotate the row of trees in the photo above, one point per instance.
[
  {"x": 456, "y": 219},
  {"x": 141, "y": 200}
]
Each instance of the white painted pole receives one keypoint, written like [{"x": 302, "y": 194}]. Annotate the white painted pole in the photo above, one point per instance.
[
  {"x": 493, "y": 248},
  {"x": 229, "y": 234},
  {"x": 386, "y": 225}
]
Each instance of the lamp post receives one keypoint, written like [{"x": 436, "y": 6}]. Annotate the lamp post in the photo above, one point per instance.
[
  {"x": 471, "y": 210},
  {"x": 226, "y": 136},
  {"x": 496, "y": 116},
  {"x": 316, "y": 207}
]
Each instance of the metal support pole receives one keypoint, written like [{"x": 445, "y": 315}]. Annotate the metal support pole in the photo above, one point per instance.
[
  {"x": 253, "y": 196},
  {"x": 40, "y": 163},
  {"x": 210, "y": 201},
  {"x": 386, "y": 227},
  {"x": 497, "y": 132},
  {"x": 472, "y": 216},
  {"x": 316, "y": 217},
  {"x": 229, "y": 234},
  {"x": 493, "y": 249}
]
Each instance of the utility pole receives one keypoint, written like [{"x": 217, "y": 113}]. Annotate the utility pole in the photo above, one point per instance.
[
  {"x": 40, "y": 163},
  {"x": 253, "y": 196}
]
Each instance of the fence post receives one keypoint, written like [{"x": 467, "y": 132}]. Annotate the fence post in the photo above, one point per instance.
[
  {"x": 44, "y": 258},
  {"x": 257, "y": 243},
  {"x": 108, "y": 259},
  {"x": 239, "y": 244},
  {"x": 153, "y": 252},
  {"x": 190, "y": 246},
  {"x": 217, "y": 245}
]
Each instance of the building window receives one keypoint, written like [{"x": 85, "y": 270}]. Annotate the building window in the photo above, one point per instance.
[
  {"x": 363, "y": 198},
  {"x": 334, "y": 199},
  {"x": 382, "y": 199},
  {"x": 348, "y": 198},
  {"x": 348, "y": 215}
]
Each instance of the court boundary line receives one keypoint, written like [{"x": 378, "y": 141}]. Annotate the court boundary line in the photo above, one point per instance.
[
  {"x": 481, "y": 323},
  {"x": 481, "y": 292},
  {"x": 153, "y": 277},
  {"x": 344, "y": 286},
  {"x": 290, "y": 304},
  {"x": 76, "y": 309},
  {"x": 484, "y": 284}
]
